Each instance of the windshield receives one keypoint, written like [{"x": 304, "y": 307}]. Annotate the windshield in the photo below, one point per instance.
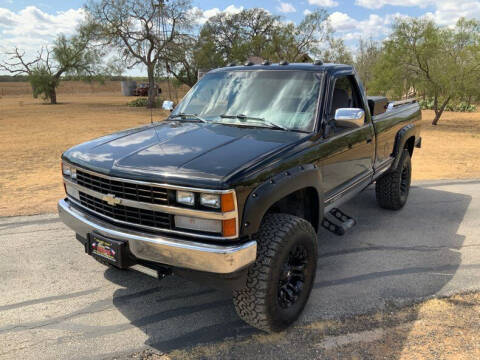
[{"x": 286, "y": 99}]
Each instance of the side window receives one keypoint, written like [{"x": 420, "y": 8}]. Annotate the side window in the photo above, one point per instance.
[{"x": 345, "y": 95}]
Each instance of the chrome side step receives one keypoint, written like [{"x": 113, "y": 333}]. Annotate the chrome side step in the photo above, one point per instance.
[{"x": 337, "y": 222}]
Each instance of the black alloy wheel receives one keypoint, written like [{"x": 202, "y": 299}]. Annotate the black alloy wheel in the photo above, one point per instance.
[{"x": 292, "y": 278}]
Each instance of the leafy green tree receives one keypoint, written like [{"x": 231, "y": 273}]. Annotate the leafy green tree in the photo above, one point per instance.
[
  {"x": 440, "y": 63},
  {"x": 292, "y": 42},
  {"x": 255, "y": 32},
  {"x": 464, "y": 52},
  {"x": 180, "y": 61},
  {"x": 68, "y": 56},
  {"x": 337, "y": 52},
  {"x": 228, "y": 38},
  {"x": 368, "y": 54}
]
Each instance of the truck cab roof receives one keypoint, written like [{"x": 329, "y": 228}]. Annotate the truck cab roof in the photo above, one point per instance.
[{"x": 327, "y": 67}]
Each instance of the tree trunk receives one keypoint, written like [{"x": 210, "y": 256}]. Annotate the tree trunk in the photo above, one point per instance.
[
  {"x": 53, "y": 96},
  {"x": 439, "y": 112},
  {"x": 152, "y": 90}
]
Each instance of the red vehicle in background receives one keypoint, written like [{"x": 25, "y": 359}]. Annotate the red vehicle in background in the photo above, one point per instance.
[{"x": 142, "y": 90}]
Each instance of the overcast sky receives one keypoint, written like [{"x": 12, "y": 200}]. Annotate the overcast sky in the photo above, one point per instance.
[{"x": 30, "y": 24}]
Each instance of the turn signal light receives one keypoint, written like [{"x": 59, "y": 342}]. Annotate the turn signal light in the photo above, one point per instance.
[
  {"x": 229, "y": 227},
  {"x": 227, "y": 202}
]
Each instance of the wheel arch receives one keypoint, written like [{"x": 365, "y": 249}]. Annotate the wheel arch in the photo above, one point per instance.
[
  {"x": 410, "y": 145},
  {"x": 296, "y": 191},
  {"x": 405, "y": 139}
]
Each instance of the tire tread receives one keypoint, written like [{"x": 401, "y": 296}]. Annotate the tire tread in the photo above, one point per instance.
[
  {"x": 251, "y": 301},
  {"x": 387, "y": 188}
]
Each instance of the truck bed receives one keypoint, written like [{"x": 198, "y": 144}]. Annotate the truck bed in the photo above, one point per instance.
[{"x": 397, "y": 115}]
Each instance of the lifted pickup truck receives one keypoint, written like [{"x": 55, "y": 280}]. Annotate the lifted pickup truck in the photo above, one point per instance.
[{"x": 234, "y": 186}]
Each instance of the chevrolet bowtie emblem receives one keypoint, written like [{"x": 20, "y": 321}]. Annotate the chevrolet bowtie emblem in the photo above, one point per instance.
[{"x": 110, "y": 199}]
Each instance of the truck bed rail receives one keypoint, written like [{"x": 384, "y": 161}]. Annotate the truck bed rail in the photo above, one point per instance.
[{"x": 394, "y": 104}]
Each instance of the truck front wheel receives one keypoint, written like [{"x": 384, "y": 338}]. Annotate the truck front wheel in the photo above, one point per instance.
[
  {"x": 392, "y": 188},
  {"x": 279, "y": 282}
]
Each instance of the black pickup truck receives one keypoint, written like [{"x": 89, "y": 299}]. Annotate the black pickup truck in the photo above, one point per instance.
[{"x": 233, "y": 187}]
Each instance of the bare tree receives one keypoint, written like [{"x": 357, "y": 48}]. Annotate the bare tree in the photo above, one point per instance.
[
  {"x": 141, "y": 30},
  {"x": 72, "y": 56},
  {"x": 16, "y": 63}
]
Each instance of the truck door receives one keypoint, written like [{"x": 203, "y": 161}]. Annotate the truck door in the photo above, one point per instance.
[{"x": 350, "y": 144}]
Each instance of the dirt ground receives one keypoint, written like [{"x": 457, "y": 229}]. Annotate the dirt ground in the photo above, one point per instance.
[
  {"x": 447, "y": 328},
  {"x": 34, "y": 134},
  {"x": 451, "y": 149}
]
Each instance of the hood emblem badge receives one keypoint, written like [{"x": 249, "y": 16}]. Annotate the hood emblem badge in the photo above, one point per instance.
[{"x": 111, "y": 200}]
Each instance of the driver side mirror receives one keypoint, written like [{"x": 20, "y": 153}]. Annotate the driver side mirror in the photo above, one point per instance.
[
  {"x": 168, "y": 105},
  {"x": 349, "y": 117}
]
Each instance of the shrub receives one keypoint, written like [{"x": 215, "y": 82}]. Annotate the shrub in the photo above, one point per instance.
[
  {"x": 138, "y": 102},
  {"x": 462, "y": 107},
  {"x": 143, "y": 101},
  {"x": 457, "y": 107}
]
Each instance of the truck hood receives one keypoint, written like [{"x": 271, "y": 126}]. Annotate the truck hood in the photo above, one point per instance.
[{"x": 174, "y": 150}]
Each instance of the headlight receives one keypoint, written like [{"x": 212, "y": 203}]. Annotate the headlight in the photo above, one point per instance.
[
  {"x": 210, "y": 200},
  {"x": 69, "y": 171},
  {"x": 66, "y": 169},
  {"x": 186, "y": 198},
  {"x": 225, "y": 224}
]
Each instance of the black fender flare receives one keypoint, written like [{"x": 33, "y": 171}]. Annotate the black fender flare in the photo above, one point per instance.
[
  {"x": 401, "y": 138},
  {"x": 276, "y": 188}
]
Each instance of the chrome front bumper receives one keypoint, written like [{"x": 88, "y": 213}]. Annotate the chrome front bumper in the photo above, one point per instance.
[{"x": 161, "y": 249}]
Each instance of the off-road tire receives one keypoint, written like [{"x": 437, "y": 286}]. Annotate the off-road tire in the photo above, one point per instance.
[
  {"x": 259, "y": 302},
  {"x": 392, "y": 188}
]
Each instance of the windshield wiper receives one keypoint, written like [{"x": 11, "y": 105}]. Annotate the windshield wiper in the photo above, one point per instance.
[
  {"x": 241, "y": 117},
  {"x": 275, "y": 126},
  {"x": 245, "y": 117},
  {"x": 185, "y": 116},
  {"x": 226, "y": 116}
]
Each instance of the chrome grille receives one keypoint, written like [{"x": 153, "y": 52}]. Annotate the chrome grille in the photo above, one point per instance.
[
  {"x": 121, "y": 189},
  {"x": 126, "y": 213}
]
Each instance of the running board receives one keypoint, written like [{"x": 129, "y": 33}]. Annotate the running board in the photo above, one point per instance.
[{"x": 337, "y": 222}]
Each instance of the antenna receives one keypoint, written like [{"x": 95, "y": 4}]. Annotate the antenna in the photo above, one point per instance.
[{"x": 161, "y": 33}]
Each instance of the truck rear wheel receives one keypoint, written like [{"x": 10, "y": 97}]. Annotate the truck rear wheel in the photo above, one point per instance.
[
  {"x": 392, "y": 189},
  {"x": 279, "y": 282}
]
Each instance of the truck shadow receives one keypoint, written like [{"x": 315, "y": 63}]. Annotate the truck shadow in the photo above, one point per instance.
[{"x": 389, "y": 259}]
